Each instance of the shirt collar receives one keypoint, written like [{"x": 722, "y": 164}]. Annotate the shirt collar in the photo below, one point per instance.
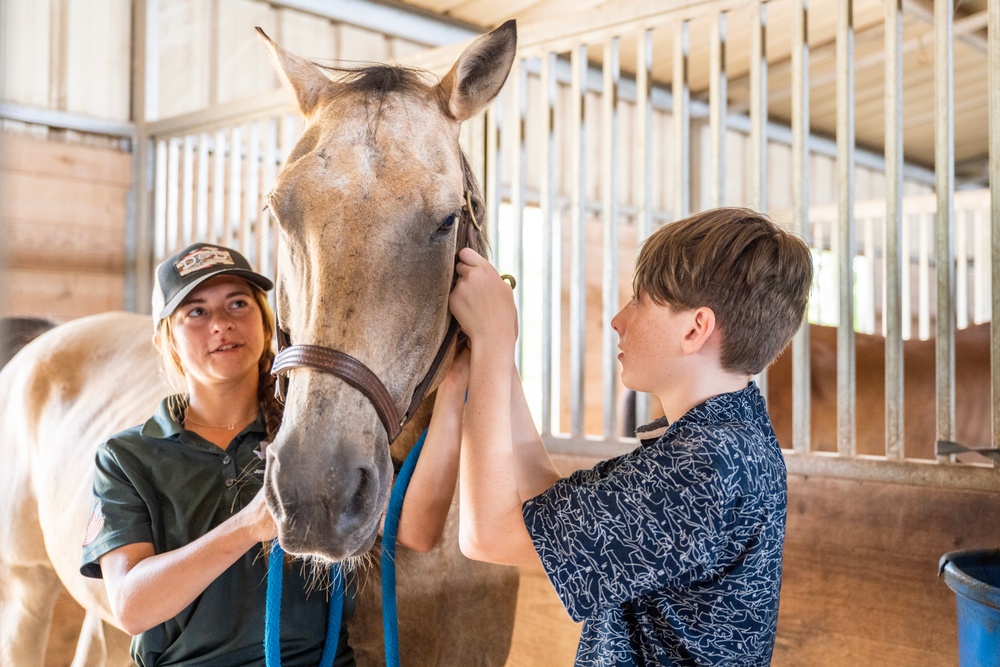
[
  {"x": 163, "y": 426},
  {"x": 742, "y": 405}
]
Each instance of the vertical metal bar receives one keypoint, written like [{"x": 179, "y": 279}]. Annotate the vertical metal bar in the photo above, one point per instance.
[
  {"x": 846, "y": 440},
  {"x": 201, "y": 186},
  {"x": 961, "y": 221},
  {"x": 758, "y": 124},
  {"x": 643, "y": 159},
  {"x": 578, "y": 214},
  {"x": 548, "y": 192},
  {"x": 800, "y": 214},
  {"x": 981, "y": 253},
  {"x": 494, "y": 172},
  {"x": 173, "y": 193},
  {"x": 906, "y": 271},
  {"x": 159, "y": 200},
  {"x": 250, "y": 226},
  {"x": 994, "y": 114},
  {"x": 944, "y": 245},
  {"x": 268, "y": 172},
  {"x": 519, "y": 96},
  {"x": 717, "y": 107},
  {"x": 141, "y": 231},
  {"x": 609, "y": 190},
  {"x": 681, "y": 95},
  {"x": 187, "y": 190},
  {"x": 758, "y": 105},
  {"x": 218, "y": 187},
  {"x": 895, "y": 248},
  {"x": 235, "y": 182}
]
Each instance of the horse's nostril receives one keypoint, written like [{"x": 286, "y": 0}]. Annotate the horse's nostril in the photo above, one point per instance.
[{"x": 357, "y": 498}]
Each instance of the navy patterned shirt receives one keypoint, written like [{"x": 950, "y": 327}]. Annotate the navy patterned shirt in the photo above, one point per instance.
[{"x": 671, "y": 554}]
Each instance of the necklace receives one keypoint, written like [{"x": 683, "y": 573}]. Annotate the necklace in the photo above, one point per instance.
[{"x": 230, "y": 427}]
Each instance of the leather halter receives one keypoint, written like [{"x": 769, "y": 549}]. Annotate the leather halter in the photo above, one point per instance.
[{"x": 354, "y": 372}]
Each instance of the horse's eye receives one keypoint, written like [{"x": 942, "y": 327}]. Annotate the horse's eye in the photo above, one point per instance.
[{"x": 448, "y": 222}]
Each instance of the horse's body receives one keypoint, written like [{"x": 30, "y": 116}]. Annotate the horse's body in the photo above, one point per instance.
[{"x": 366, "y": 205}]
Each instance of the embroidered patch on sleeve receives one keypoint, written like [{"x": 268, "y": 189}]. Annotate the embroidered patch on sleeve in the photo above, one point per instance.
[{"x": 95, "y": 524}]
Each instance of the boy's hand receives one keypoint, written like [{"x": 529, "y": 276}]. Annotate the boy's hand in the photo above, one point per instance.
[{"x": 482, "y": 302}]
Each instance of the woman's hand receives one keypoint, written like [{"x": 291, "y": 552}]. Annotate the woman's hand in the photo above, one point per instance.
[{"x": 257, "y": 519}]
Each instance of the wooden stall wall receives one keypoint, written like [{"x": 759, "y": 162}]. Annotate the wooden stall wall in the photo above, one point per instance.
[{"x": 63, "y": 208}]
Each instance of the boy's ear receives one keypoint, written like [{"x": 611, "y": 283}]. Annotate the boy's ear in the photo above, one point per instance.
[{"x": 700, "y": 329}]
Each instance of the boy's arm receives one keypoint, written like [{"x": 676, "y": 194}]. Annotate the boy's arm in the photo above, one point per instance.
[
  {"x": 535, "y": 470},
  {"x": 429, "y": 495},
  {"x": 492, "y": 526}
]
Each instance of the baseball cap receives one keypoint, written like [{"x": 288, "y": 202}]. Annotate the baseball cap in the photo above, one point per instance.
[{"x": 179, "y": 275}]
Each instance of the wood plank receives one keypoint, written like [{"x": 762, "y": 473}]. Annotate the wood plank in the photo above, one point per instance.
[
  {"x": 60, "y": 295},
  {"x": 99, "y": 59},
  {"x": 47, "y": 200},
  {"x": 65, "y": 245},
  {"x": 20, "y": 154},
  {"x": 544, "y": 634}
]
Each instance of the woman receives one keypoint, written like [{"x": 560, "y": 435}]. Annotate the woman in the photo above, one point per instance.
[{"x": 179, "y": 515}]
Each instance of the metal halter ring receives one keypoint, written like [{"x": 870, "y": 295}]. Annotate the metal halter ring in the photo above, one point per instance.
[{"x": 509, "y": 279}]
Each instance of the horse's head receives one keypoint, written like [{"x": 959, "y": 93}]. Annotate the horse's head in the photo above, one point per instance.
[{"x": 368, "y": 205}]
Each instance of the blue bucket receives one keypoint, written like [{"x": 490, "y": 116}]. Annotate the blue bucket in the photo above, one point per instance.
[{"x": 974, "y": 575}]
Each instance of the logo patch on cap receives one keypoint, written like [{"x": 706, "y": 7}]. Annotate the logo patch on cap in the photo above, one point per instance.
[
  {"x": 95, "y": 524},
  {"x": 203, "y": 258}
]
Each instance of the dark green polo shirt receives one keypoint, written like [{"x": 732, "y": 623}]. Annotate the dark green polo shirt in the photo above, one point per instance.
[{"x": 162, "y": 484}]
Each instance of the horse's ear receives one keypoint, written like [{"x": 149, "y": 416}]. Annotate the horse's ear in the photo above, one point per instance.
[
  {"x": 303, "y": 78},
  {"x": 479, "y": 73}
]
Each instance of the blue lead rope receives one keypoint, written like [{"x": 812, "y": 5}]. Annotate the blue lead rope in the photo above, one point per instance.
[
  {"x": 390, "y": 618},
  {"x": 272, "y": 611}
]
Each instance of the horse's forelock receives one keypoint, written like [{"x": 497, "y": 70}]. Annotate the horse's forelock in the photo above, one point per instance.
[{"x": 376, "y": 78}]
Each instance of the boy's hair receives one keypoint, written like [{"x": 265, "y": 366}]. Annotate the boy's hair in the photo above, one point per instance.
[{"x": 754, "y": 276}]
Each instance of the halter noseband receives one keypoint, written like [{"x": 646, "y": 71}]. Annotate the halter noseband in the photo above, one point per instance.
[{"x": 355, "y": 373}]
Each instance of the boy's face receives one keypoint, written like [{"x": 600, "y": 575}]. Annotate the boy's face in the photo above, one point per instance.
[{"x": 649, "y": 340}]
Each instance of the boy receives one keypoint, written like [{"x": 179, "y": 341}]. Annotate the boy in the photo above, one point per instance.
[{"x": 671, "y": 553}]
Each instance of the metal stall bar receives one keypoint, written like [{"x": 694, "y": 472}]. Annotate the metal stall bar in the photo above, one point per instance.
[
  {"x": 547, "y": 202},
  {"x": 758, "y": 124},
  {"x": 201, "y": 217},
  {"x": 173, "y": 194},
  {"x": 218, "y": 188},
  {"x": 643, "y": 165},
  {"x": 233, "y": 196},
  {"x": 717, "y": 106},
  {"x": 251, "y": 195},
  {"x": 268, "y": 171},
  {"x": 944, "y": 244},
  {"x": 846, "y": 430},
  {"x": 493, "y": 187},
  {"x": 159, "y": 199},
  {"x": 892, "y": 245},
  {"x": 800, "y": 213},
  {"x": 187, "y": 191},
  {"x": 681, "y": 95},
  {"x": 518, "y": 93},
  {"x": 994, "y": 113},
  {"x": 578, "y": 215},
  {"x": 609, "y": 206}
]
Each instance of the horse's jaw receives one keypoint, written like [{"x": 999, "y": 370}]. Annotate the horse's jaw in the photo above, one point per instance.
[{"x": 327, "y": 507}]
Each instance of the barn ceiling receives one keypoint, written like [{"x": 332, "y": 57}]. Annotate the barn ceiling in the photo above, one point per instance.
[{"x": 970, "y": 58}]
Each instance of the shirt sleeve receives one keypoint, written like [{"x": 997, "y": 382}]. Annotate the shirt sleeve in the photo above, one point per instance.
[
  {"x": 119, "y": 515},
  {"x": 629, "y": 526}
]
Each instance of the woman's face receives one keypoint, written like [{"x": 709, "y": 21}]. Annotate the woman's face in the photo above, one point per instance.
[{"x": 218, "y": 332}]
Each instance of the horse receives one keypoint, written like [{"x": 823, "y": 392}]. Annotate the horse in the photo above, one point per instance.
[
  {"x": 16, "y": 332},
  {"x": 370, "y": 205}
]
